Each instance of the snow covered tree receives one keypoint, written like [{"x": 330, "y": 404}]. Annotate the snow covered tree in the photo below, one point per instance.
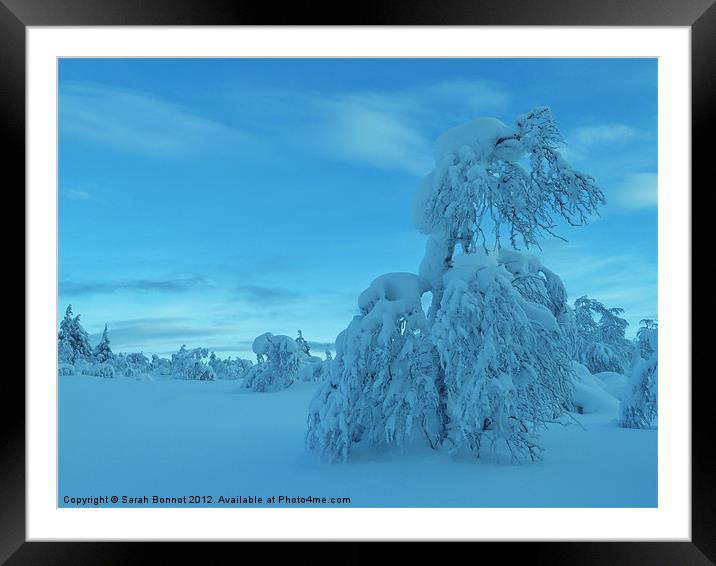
[
  {"x": 217, "y": 365},
  {"x": 643, "y": 337},
  {"x": 137, "y": 364},
  {"x": 302, "y": 344},
  {"x": 329, "y": 356},
  {"x": 63, "y": 368},
  {"x": 506, "y": 369},
  {"x": 480, "y": 186},
  {"x": 73, "y": 340},
  {"x": 238, "y": 367},
  {"x": 381, "y": 388},
  {"x": 490, "y": 363},
  {"x": 160, "y": 366},
  {"x": 65, "y": 351},
  {"x": 228, "y": 368},
  {"x": 102, "y": 352},
  {"x": 278, "y": 363},
  {"x": 189, "y": 364},
  {"x": 600, "y": 341},
  {"x": 64, "y": 357},
  {"x": 99, "y": 369},
  {"x": 639, "y": 407},
  {"x": 132, "y": 364}
]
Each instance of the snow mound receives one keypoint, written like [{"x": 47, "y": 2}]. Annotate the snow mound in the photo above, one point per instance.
[
  {"x": 540, "y": 314},
  {"x": 613, "y": 382},
  {"x": 476, "y": 260},
  {"x": 267, "y": 342},
  {"x": 518, "y": 263},
  {"x": 589, "y": 395},
  {"x": 402, "y": 289}
]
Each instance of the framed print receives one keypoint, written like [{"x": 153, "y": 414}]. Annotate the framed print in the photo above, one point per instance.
[{"x": 400, "y": 280}]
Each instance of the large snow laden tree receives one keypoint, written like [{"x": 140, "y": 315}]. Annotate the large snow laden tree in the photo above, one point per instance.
[{"x": 489, "y": 364}]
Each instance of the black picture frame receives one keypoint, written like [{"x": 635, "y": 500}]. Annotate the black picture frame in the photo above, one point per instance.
[{"x": 16, "y": 15}]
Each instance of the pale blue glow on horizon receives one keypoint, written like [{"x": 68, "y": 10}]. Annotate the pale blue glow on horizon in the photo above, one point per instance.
[{"x": 206, "y": 201}]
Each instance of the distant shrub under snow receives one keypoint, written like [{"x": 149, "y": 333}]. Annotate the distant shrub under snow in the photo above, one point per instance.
[
  {"x": 103, "y": 369},
  {"x": 65, "y": 369},
  {"x": 189, "y": 364},
  {"x": 278, "y": 363}
]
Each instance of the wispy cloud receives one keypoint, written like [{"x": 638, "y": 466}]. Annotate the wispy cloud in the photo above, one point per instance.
[
  {"x": 148, "y": 320},
  {"x": 472, "y": 96},
  {"x": 391, "y": 130},
  {"x": 637, "y": 190},
  {"x": 180, "y": 285},
  {"x": 621, "y": 280},
  {"x": 80, "y": 195},
  {"x": 385, "y": 129},
  {"x": 363, "y": 131},
  {"x": 613, "y": 154},
  {"x": 603, "y": 133},
  {"x": 138, "y": 122},
  {"x": 595, "y": 145}
]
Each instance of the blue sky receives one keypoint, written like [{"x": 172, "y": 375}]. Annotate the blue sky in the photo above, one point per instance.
[{"x": 206, "y": 201}]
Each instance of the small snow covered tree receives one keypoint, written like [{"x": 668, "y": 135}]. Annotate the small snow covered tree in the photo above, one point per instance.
[
  {"x": 238, "y": 367},
  {"x": 643, "y": 337},
  {"x": 302, "y": 344},
  {"x": 159, "y": 365},
  {"x": 490, "y": 363},
  {"x": 63, "y": 368},
  {"x": 102, "y": 361},
  {"x": 132, "y": 364},
  {"x": 229, "y": 368},
  {"x": 278, "y": 363},
  {"x": 189, "y": 364},
  {"x": 102, "y": 352},
  {"x": 99, "y": 369},
  {"x": 73, "y": 340},
  {"x": 65, "y": 351},
  {"x": 311, "y": 367},
  {"x": 600, "y": 342},
  {"x": 639, "y": 407},
  {"x": 137, "y": 363},
  {"x": 329, "y": 356},
  {"x": 217, "y": 365}
]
